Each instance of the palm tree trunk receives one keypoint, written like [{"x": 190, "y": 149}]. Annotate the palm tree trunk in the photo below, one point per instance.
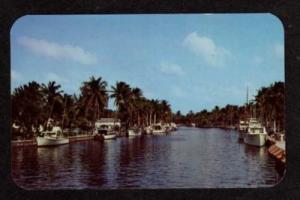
[
  {"x": 131, "y": 120},
  {"x": 98, "y": 112},
  {"x": 51, "y": 110},
  {"x": 147, "y": 119}
]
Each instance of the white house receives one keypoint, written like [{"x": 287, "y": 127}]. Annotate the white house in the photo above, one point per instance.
[{"x": 110, "y": 123}]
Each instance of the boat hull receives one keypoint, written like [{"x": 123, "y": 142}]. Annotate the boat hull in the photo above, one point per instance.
[
  {"x": 49, "y": 141},
  {"x": 109, "y": 137},
  {"x": 148, "y": 131},
  {"x": 98, "y": 137},
  {"x": 132, "y": 133},
  {"x": 158, "y": 132},
  {"x": 255, "y": 139}
]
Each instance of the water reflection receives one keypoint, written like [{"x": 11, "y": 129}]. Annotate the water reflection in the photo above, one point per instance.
[{"x": 191, "y": 158}]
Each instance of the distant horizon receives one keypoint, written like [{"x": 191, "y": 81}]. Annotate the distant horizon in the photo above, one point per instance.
[{"x": 193, "y": 61}]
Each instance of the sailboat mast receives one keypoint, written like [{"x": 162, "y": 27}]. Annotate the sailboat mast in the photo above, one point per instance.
[
  {"x": 247, "y": 97},
  {"x": 246, "y": 105},
  {"x": 63, "y": 118}
]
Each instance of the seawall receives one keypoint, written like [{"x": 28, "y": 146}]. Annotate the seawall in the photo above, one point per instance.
[{"x": 32, "y": 142}]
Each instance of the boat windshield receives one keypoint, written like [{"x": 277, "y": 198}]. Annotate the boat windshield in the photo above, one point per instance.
[
  {"x": 52, "y": 134},
  {"x": 257, "y": 130}
]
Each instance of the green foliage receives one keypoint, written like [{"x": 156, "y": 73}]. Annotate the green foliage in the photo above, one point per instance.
[
  {"x": 268, "y": 106},
  {"x": 33, "y": 104}
]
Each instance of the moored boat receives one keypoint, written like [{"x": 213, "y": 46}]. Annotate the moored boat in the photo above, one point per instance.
[
  {"x": 148, "y": 130},
  {"x": 106, "y": 128},
  {"x": 158, "y": 129},
  {"x": 173, "y": 126},
  {"x": 103, "y": 133},
  {"x": 109, "y": 136},
  {"x": 52, "y": 138},
  {"x": 256, "y": 133},
  {"x": 135, "y": 131},
  {"x": 98, "y": 137}
]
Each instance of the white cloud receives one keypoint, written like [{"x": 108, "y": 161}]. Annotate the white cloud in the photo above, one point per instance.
[
  {"x": 279, "y": 51},
  {"x": 206, "y": 48},
  {"x": 54, "y": 77},
  {"x": 57, "y": 51},
  {"x": 170, "y": 68},
  {"x": 15, "y": 76}
]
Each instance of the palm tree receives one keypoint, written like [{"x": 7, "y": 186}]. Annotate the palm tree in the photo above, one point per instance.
[
  {"x": 27, "y": 105},
  {"x": 166, "y": 111},
  {"x": 122, "y": 98},
  {"x": 147, "y": 111},
  {"x": 69, "y": 113},
  {"x": 136, "y": 102},
  {"x": 94, "y": 97},
  {"x": 53, "y": 97},
  {"x": 270, "y": 103},
  {"x": 155, "y": 109}
]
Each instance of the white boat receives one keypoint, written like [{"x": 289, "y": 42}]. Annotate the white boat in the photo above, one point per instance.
[
  {"x": 52, "y": 138},
  {"x": 158, "y": 129},
  {"x": 132, "y": 132},
  {"x": 107, "y": 127},
  {"x": 173, "y": 126},
  {"x": 148, "y": 130},
  {"x": 242, "y": 128},
  {"x": 256, "y": 134},
  {"x": 109, "y": 136}
]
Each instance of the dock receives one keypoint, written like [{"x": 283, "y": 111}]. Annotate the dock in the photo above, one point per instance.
[
  {"x": 32, "y": 142},
  {"x": 23, "y": 143},
  {"x": 277, "y": 150}
]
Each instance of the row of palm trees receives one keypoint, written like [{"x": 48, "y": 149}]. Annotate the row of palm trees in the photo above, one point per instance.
[
  {"x": 267, "y": 105},
  {"x": 33, "y": 104}
]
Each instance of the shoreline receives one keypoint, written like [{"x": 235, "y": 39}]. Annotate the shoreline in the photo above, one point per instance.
[{"x": 32, "y": 142}]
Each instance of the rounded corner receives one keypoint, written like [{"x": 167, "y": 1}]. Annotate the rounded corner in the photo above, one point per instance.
[
  {"x": 13, "y": 182},
  {"x": 16, "y": 20},
  {"x": 277, "y": 18},
  {"x": 281, "y": 180}
]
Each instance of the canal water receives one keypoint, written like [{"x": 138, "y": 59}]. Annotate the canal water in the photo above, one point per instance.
[{"x": 187, "y": 158}]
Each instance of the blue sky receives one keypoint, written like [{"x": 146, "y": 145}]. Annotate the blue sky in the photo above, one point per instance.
[{"x": 195, "y": 61}]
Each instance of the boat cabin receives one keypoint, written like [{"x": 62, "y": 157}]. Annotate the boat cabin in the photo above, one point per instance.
[{"x": 106, "y": 124}]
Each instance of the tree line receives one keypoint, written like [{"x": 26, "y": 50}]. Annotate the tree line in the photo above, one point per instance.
[
  {"x": 267, "y": 105},
  {"x": 34, "y": 103}
]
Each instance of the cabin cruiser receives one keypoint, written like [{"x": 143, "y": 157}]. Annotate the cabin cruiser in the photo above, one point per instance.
[
  {"x": 52, "y": 138},
  {"x": 173, "y": 126},
  {"x": 256, "y": 134},
  {"x": 134, "y": 131},
  {"x": 104, "y": 132},
  {"x": 148, "y": 130},
  {"x": 106, "y": 128},
  {"x": 158, "y": 129}
]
